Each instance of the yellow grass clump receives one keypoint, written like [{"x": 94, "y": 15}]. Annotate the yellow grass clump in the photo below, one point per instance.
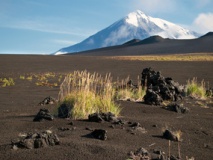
[
  {"x": 87, "y": 93},
  {"x": 4, "y": 82},
  {"x": 195, "y": 89},
  {"x": 126, "y": 92}
]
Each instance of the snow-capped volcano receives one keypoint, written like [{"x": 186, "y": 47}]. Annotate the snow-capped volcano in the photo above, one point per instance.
[{"x": 135, "y": 25}]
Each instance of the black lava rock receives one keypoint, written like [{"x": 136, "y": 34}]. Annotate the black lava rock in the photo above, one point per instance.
[
  {"x": 64, "y": 111},
  {"x": 152, "y": 98},
  {"x": 177, "y": 108},
  {"x": 95, "y": 117},
  {"x": 43, "y": 114},
  {"x": 159, "y": 88},
  {"x": 101, "y": 117},
  {"x": 170, "y": 135},
  {"x": 99, "y": 134},
  {"x": 36, "y": 140}
]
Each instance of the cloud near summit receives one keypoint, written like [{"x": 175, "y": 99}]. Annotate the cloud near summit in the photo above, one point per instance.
[{"x": 203, "y": 22}]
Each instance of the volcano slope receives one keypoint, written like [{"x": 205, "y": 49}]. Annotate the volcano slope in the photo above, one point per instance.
[
  {"x": 156, "y": 45},
  {"x": 19, "y": 105}
]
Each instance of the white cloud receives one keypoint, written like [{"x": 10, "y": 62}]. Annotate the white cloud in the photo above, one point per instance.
[
  {"x": 46, "y": 25},
  {"x": 43, "y": 27},
  {"x": 203, "y": 23}
]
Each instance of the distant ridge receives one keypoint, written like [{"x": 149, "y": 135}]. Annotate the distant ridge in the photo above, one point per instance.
[
  {"x": 156, "y": 45},
  {"x": 136, "y": 25},
  {"x": 152, "y": 39},
  {"x": 133, "y": 41},
  {"x": 209, "y": 34}
]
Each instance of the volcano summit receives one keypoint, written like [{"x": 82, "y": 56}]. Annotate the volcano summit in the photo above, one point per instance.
[{"x": 136, "y": 25}]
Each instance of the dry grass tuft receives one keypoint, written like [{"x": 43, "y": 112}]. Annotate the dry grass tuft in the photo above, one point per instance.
[
  {"x": 4, "y": 82},
  {"x": 87, "y": 93},
  {"x": 126, "y": 92},
  {"x": 195, "y": 89}
]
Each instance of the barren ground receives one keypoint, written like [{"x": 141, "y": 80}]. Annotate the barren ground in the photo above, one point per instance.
[{"x": 19, "y": 105}]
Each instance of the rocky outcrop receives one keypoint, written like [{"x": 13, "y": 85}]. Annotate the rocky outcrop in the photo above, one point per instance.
[
  {"x": 177, "y": 108},
  {"x": 36, "y": 140},
  {"x": 159, "y": 88},
  {"x": 43, "y": 114},
  {"x": 101, "y": 117}
]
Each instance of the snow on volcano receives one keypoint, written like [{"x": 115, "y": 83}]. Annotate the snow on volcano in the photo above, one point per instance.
[{"x": 136, "y": 25}]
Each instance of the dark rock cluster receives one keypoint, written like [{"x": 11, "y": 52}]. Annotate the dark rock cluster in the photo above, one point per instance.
[
  {"x": 64, "y": 111},
  {"x": 141, "y": 153},
  {"x": 131, "y": 127},
  {"x": 170, "y": 135},
  {"x": 135, "y": 127},
  {"x": 159, "y": 88},
  {"x": 177, "y": 108},
  {"x": 43, "y": 114},
  {"x": 99, "y": 134},
  {"x": 36, "y": 140},
  {"x": 101, "y": 117},
  {"x": 156, "y": 154}
]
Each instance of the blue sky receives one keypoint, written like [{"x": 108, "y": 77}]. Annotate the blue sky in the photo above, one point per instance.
[{"x": 45, "y": 26}]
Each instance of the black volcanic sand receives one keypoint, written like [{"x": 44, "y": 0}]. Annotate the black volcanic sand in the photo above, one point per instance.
[{"x": 18, "y": 106}]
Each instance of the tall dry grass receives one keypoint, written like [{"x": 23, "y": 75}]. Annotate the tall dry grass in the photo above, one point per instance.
[
  {"x": 127, "y": 92},
  {"x": 87, "y": 93}
]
